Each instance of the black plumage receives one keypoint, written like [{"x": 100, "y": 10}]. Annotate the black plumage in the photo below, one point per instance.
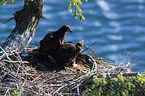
[
  {"x": 53, "y": 40},
  {"x": 67, "y": 53}
]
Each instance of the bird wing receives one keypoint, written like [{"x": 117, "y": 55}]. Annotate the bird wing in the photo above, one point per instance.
[{"x": 65, "y": 54}]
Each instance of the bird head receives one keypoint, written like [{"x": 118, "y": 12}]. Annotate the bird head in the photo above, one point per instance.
[
  {"x": 80, "y": 45},
  {"x": 66, "y": 28}
]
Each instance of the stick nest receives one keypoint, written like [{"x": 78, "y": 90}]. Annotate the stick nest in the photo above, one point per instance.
[{"x": 18, "y": 77}]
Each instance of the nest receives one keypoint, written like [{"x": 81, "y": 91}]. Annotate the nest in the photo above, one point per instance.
[{"x": 19, "y": 77}]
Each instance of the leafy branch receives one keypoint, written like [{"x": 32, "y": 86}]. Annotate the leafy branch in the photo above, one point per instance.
[
  {"x": 73, "y": 7},
  {"x": 4, "y": 2},
  {"x": 77, "y": 10}
]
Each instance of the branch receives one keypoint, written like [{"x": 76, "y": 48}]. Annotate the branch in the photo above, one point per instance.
[{"x": 27, "y": 21}]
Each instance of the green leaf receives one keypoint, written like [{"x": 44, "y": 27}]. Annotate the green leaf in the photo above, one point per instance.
[
  {"x": 77, "y": 10},
  {"x": 79, "y": 2},
  {"x": 72, "y": 13},
  {"x": 76, "y": 17},
  {"x": 3, "y": 4},
  {"x": 80, "y": 18},
  {"x": 96, "y": 80},
  {"x": 12, "y": 1},
  {"x": 69, "y": 9}
]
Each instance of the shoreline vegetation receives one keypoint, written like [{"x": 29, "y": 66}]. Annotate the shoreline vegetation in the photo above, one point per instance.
[{"x": 19, "y": 77}]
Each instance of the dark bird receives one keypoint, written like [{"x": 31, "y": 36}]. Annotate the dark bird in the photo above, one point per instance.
[
  {"x": 53, "y": 40},
  {"x": 67, "y": 53}
]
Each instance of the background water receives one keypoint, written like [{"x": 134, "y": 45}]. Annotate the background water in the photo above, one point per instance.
[{"x": 121, "y": 22}]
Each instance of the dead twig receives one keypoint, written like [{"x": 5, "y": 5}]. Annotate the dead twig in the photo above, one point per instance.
[
  {"x": 9, "y": 20},
  {"x": 92, "y": 45}
]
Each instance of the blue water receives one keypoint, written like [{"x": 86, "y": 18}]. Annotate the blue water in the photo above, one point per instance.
[{"x": 120, "y": 22}]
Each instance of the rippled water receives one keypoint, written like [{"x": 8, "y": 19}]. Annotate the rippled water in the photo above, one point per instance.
[{"x": 120, "y": 22}]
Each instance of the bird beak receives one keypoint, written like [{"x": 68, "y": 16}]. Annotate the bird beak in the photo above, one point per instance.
[{"x": 70, "y": 30}]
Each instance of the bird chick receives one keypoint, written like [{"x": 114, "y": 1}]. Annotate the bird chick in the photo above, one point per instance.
[{"x": 67, "y": 53}]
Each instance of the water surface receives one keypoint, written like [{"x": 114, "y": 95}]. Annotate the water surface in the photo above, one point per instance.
[{"x": 120, "y": 22}]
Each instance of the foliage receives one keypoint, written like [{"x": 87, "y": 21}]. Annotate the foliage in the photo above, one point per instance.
[
  {"x": 4, "y": 2},
  {"x": 16, "y": 93},
  {"x": 78, "y": 11},
  {"x": 119, "y": 86},
  {"x": 71, "y": 4}
]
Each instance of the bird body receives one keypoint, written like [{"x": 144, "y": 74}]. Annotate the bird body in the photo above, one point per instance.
[
  {"x": 67, "y": 53},
  {"x": 53, "y": 40},
  {"x": 53, "y": 48}
]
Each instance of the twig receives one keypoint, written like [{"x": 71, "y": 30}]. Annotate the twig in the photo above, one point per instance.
[
  {"x": 75, "y": 81},
  {"x": 6, "y": 92},
  {"x": 90, "y": 49},
  {"x": 124, "y": 74},
  {"x": 92, "y": 44},
  {"x": 16, "y": 61},
  {"x": 35, "y": 43},
  {"x": 36, "y": 78},
  {"x": 94, "y": 64},
  {"x": 78, "y": 90},
  {"x": 9, "y": 20},
  {"x": 87, "y": 46},
  {"x": 5, "y": 53},
  {"x": 29, "y": 50}
]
